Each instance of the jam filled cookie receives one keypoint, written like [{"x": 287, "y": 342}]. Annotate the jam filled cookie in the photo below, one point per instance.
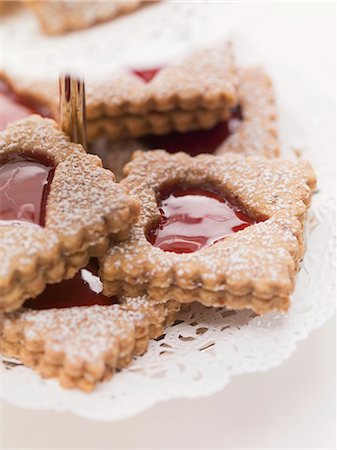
[
  {"x": 58, "y": 207},
  {"x": 177, "y": 97},
  {"x": 74, "y": 333},
  {"x": 220, "y": 230},
  {"x": 58, "y": 17},
  {"x": 251, "y": 129}
]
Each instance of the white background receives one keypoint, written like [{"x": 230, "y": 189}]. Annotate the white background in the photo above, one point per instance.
[{"x": 292, "y": 406}]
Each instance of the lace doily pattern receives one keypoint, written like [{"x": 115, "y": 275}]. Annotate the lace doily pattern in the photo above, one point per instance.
[{"x": 200, "y": 353}]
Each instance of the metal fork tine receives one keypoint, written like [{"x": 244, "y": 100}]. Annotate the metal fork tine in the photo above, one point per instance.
[{"x": 72, "y": 108}]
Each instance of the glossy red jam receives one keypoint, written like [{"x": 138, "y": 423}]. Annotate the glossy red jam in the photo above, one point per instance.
[
  {"x": 85, "y": 289},
  {"x": 196, "y": 142},
  {"x": 147, "y": 74},
  {"x": 194, "y": 218},
  {"x": 14, "y": 107},
  {"x": 24, "y": 188},
  {"x": 11, "y": 111}
]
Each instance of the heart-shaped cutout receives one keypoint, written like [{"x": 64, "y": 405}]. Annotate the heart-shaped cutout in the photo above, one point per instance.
[
  {"x": 24, "y": 188},
  {"x": 194, "y": 218}
]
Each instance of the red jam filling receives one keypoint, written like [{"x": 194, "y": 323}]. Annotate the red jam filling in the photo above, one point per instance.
[
  {"x": 196, "y": 142},
  {"x": 147, "y": 74},
  {"x": 14, "y": 107},
  {"x": 193, "y": 142},
  {"x": 85, "y": 289},
  {"x": 24, "y": 188},
  {"x": 194, "y": 218}
]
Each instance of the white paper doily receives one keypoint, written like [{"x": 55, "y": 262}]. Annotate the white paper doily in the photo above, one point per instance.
[{"x": 199, "y": 355}]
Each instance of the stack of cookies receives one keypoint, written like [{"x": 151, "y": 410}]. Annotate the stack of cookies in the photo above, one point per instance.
[{"x": 206, "y": 211}]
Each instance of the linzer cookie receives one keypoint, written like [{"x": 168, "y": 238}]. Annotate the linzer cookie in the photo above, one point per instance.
[
  {"x": 220, "y": 230},
  {"x": 74, "y": 333},
  {"x": 194, "y": 93},
  {"x": 58, "y": 207},
  {"x": 251, "y": 129},
  {"x": 58, "y": 17}
]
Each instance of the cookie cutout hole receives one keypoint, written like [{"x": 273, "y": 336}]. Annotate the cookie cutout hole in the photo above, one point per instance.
[
  {"x": 201, "y": 330},
  {"x": 206, "y": 347},
  {"x": 196, "y": 142},
  {"x": 164, "y": 344},
  {"x": 147, "y": 74},
  {"x": 160, "y": 338},
  {"x": 24, "y": 187},
  {"x": 177, "y": 322},
  {"x": 165, "y": 353},
  {"x": 228, "y": 313},
  {"x": 186, "y": 338},
  {"x": 193, "y": 218},
  {"x": 9, "y": 365}
]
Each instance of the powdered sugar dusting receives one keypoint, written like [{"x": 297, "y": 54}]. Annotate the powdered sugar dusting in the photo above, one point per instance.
[
  {"x": 83, "y": 345},
  {"x": 22, "y": 246},
  {"x": 186, "y": 368},
  {"x": 80, "y": 332},
  {"x": 257, "y": 133},
  {"x": 178, "y": 87},
  {"x": 261, "y": 259},
  {"x": 85, "y": 195},
  {"x": 262, "y": 186},
  {"x": 84, "y": 207}
]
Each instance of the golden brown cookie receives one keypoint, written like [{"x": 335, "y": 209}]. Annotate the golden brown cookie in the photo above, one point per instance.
[
  {"x": 82, "y": 346},
  {"x": 58, "y": 17},
  {"x": 252, "y": 129},
  {"x": 197, "y": 92},
  {"x": 58, "y": 207},
  {"x": 176, "y": 97},
  {"x": 8, "y": 6},
  {"x": 220, "y": 230}
]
